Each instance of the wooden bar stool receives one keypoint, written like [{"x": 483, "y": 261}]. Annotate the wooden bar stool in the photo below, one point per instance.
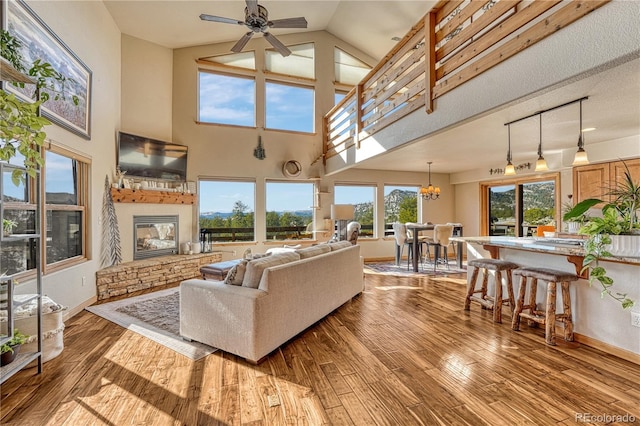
[
  {"x": 547, "y": 317},
  {"x": 490, "y": 302}
]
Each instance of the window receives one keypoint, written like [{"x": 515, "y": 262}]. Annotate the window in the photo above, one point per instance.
[
  {"x": 289, "y": 214},
  {"x": 65, "y": 196},
  {"x": 363, "y": 198},
  {"x": 227, "y": 210},
  {"x": 338, "y": 96},
  {"x": 63, "y": 213},
  {"x": 299, "y": 64},
  {"x": 289, "y": 107},
  {"x": 517, "y": 208},
  {"x": 245, "y": 60},
  {"x": 400, "y": 205},
  {"x": 226, "y": 99},
  {"x": 348, "y": 69}
]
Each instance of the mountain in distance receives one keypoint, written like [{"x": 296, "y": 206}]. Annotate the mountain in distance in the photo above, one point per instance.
[{"x": 391, "y": 203}]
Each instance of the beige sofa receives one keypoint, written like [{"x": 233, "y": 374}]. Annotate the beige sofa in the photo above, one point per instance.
[{"x": 290, "y": 297}]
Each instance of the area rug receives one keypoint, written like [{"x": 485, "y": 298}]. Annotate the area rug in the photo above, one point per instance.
[
  {"x": 155, "y": 316},
  {"x": 390, "y": 268}
]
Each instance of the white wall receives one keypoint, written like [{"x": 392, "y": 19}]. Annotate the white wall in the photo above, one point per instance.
[{"x": 95, "y": 39}]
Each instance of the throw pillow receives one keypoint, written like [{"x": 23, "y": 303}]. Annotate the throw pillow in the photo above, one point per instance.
[
  {"x": 308, "y": 252},
  {"x": 236, "y": 274},
  {"x": 255, "y": 268},
  {"x": 259, "y": 255}
]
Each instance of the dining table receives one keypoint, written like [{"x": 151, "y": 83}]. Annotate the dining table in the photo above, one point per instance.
[{"x": 415, "y": 229}]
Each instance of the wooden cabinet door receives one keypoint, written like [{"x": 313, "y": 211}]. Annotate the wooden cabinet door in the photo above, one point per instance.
[
  {"x": 617, "y": 170},
  {"x": 591, "y": 181}
]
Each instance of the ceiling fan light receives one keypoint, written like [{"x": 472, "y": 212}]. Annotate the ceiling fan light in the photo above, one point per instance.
[
  {"x": 510, "y": 170},
  {"x": 581, "y": 158}
]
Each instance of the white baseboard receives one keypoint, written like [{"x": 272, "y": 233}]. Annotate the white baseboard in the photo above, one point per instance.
[{"x": 75, "y": 311}]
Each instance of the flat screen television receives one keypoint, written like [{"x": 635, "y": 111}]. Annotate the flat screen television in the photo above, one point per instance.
[{"x": 143, "y": 157}]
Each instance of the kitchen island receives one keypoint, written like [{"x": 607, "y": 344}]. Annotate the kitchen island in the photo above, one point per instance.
[{"x": 599, "y": 322}]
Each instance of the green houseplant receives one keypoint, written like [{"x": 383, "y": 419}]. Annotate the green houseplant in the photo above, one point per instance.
[
  {"x": 619, "y": 217},
  {"x": 10, "y": 349},
  {"x": 21, "y": 126},
  {"x": 8, "y": 225}
]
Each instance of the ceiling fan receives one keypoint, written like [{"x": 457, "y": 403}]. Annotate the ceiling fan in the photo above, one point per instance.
[{"x": 257, "y": 20}]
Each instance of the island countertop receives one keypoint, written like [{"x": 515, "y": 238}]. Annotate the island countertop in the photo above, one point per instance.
[{"x": 561, "y": 246}]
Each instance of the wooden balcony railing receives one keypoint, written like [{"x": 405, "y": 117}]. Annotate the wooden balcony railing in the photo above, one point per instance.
[{"x": 455, "y": 42}]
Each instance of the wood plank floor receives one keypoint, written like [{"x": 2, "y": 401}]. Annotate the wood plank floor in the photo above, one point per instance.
[{"x": 402, "y": 353}]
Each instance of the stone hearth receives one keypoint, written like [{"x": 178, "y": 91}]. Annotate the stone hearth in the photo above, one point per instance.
[{"x": 137, "y": 275}]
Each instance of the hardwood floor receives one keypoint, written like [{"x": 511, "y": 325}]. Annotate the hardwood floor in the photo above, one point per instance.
[{"x": 402, "y": 353}]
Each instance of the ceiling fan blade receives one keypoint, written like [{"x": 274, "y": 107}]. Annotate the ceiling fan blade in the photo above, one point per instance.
[
  {"x": 252, "y": 7},
  {"x": 277, "y": 44},
  {"x": 299, "y": 22},
  {"x": 242, "y": 42},
  {"x": 213, "y": 18}
]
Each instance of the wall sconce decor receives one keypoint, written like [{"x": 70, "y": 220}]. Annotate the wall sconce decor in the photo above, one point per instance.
[
  {"x": 430, "y": 192},
  {"x": 259, "y": 152}
]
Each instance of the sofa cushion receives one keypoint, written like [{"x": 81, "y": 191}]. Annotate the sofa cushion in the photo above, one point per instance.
[
  {"x": 236, "y": 273},
  {"x": 340, "y": 245},
  {"x": 256, "y": 267},
  {"x": 308, "y": 252}
]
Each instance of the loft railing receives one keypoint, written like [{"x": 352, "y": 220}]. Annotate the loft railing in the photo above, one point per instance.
[{"x": 454, "y": 43}]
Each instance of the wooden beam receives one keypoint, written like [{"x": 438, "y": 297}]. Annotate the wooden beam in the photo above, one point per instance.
[{"x": 430, "y": 60}]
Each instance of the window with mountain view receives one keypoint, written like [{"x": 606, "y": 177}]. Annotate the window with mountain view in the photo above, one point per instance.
[
  {"x": 227, "y": 210},
  {"x": 400, "y": 205},
  {"x": 519, "y": 208},
  {"x": 363, "y": 199},
  {"x": 289, "y": 213}
]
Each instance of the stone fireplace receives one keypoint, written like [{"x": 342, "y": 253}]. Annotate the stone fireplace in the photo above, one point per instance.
[{"x": 155, "y": 236}]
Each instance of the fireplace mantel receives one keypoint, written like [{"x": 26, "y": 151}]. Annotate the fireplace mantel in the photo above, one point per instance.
[{"x": 122, "y": 195}]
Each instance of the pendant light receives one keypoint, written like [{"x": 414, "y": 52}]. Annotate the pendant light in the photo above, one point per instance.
[
  {"x": 541, "y": 163},
  {"x": 581, "y": 156},
  {"x": 430, "y": 192},
  {"x": 509, "y": 170}
]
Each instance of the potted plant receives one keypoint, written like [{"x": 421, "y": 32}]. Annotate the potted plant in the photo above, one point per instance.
[
  {"x": 613, "y": 234},
  {"x": 10, "y": 349},
  {"x": 7, "y": 226},
  {"x": 574, "y": 225}
]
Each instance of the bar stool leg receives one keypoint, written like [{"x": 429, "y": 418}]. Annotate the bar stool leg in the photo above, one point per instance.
[
  {"x": 533, "y": 307},
  {"x": 497, "y": 301},
  {"x": 512, "y": 303},
  {"x": 568, "y": 318},
  {"x": 515, "y": 321},
  {"x": 471, "y": 289},
  {"x": 550, "y": 320}
]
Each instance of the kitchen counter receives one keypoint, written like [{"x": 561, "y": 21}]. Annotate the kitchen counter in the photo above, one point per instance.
[
  {"x": 598, "y": 321},
  {"x": 559, "y": 246}
]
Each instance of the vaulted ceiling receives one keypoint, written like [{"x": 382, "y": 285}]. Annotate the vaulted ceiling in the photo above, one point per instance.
[{"x": 613, "y": 107}]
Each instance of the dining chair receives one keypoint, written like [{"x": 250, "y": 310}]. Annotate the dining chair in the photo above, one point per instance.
[
  {"x": 402, "y": 239},
  {"x": 441, "y": 238}
]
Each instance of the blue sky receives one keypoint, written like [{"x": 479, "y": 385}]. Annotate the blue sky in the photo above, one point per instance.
[
  {"x": 281, "y": 196},
  {"x": 231, "y": 100}
]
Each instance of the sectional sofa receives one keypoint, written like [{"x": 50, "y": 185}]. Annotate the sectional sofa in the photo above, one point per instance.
[{"x": 280, "y": 296}]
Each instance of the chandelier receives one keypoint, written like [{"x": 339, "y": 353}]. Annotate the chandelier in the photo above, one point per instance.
[{"x": 430, "y": 192}]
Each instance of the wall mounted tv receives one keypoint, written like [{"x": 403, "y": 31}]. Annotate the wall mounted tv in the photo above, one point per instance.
[{"x": 143, "y": 157}]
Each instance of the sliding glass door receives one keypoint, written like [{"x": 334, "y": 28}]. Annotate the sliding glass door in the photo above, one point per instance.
[{"x": 518, "y": 207}]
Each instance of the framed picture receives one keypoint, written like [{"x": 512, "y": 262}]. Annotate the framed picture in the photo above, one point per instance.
[{"x": 39, "y": 42}]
